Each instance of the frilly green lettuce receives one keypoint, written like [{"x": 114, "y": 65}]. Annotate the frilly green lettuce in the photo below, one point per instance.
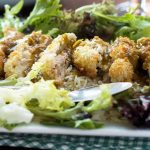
[
  {"x": 45, "y": 92},
  {"x": 10, "y": 19},
  {"x": 12, "y": 80},
  {"x": 49, "y": 105},
  {"x": 48, "y": 96},
  {"x": 130, "y": 25},
  {"x": 87, "y": 124},
  {"x": 72, "y": 117},
  {"x": 78, "y": 116},
  {"x": 42, "y": 11},
  {"x": 103, "y": 101}
]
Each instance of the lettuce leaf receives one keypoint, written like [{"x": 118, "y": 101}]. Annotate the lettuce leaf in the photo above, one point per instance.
[
  {"x": 49, "y": 106},
  {"x": 4, "y": 124},
  {"x": 48, "y": 17},
  {"x": 10, "y": 19},
  {"x": 49, "y": 96},
  {"x": 86, "y": 22},
  {"x": 73, "y": 117},
  {"x": 69, "y": 113},
  {"x": 17, "y": 8},
  {"x": 87, "y": 124},
  {"x": 129, "y": 25},
  {"x": 12, "y": 80},
  {"x": 81, "y": 124},
  {"x": 43, "y": 10},
  {"x": 79, "y": 116},
  {"x": 1, "y": 28},
  {"x": 45, "y": 92},
  {"x": 103, "y": 101},
  {"x": 40, "y": 18},
  {"x": 106, "y": 7}
]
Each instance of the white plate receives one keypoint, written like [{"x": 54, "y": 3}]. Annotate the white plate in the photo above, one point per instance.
[{"x": 108, "y": 130}]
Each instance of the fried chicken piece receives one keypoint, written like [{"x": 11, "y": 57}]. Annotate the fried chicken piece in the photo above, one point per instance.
[
  {"x": 89, "y": 55},
  {"x": 54, "y": 66},
  {"x": 121, "y": 70},
  {"x": 124, "y": 47},
  {"x": 56, "y": 58},
  {"x": 25, "y": 53},
  {"x": 144, "y": 46},
  {"x": 10, "y": 37},
  {"x": 124, "y": 56},
  {"x": 9, "y": 40}
]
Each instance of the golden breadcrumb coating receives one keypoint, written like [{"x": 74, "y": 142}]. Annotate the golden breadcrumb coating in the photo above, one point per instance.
[
  {"x": 25, "y": 53},
  {"x": 121, "y": 70},
  {"x": 56, "y": 58},
  {"x": 124, "y": 47},
  {"x": 9, "y": 40},
  {"x": 88, "y": 55},
  {"x": 144, "y": 46}
]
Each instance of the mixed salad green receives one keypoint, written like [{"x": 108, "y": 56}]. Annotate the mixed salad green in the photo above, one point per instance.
[
  {"x": 44, "y": 103},
  {"x": 87, "y": 21}
]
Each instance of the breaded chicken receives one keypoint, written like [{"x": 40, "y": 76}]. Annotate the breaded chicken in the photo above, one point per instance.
[
  {"x": 25, "y": 53},
  {"x": 56, "y": 58},
  {"x": 124, "y": 56},
  {"x": 10, "y": 37},
  {"x": 6, "y": 43},
  {"x": 89, "y": 55},
  {"x": 121, "y": 70},
  {"x": 124, "y": 47},
  {"x": 144, "y": 46}
]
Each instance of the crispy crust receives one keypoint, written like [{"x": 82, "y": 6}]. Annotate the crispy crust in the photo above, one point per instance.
[
  {"x": 124, "y": 47},
  {"x": 88, "y": 55},
  {"x": 25, "y": 53},
  {"x": 6, "y": 43},
  {"x": 56, "y": 58},
  {"x": 121, "y": 70},
  {"x": 144, "y": 46}
]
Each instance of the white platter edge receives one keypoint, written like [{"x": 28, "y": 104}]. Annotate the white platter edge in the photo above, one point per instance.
[{"x": 105, "y": 131}]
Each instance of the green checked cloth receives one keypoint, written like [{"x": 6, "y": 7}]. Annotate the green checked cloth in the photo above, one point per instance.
[{"x": 67, "y": 142}]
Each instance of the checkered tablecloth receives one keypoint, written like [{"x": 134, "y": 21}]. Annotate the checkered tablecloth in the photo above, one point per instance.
[{"x": 67, "y": 142}]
